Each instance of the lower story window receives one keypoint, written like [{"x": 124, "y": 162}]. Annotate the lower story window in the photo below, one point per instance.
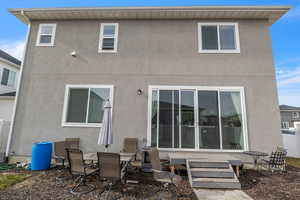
[
  {"x": 197, "y": 118},
  {"x": 84, "y": 104}
]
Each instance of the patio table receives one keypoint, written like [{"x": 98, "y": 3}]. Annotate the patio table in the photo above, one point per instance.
[
  {"x": 124, "y": 157},
  {"x": 256, "y": 156}
]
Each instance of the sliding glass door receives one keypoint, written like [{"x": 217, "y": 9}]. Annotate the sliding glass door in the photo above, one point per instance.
[
  {"x": 187, "y": 125},
  {"x": 208, "y": 114},
  {"x": 197, "y": 118}
]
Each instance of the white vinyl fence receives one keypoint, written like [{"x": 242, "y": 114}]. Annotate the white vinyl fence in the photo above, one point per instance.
[
  {"x": 4, "y": 130},
  {"x": 291, "y": 141}
]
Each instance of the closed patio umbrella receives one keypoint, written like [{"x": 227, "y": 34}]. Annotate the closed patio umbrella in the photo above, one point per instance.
[{"x": 106, "y": 135}]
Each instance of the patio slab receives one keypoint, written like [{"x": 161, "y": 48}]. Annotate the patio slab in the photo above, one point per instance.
[{"x": 215, "y": 194}]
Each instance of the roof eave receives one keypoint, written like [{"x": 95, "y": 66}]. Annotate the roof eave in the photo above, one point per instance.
[{"x": 272, "y": 13}]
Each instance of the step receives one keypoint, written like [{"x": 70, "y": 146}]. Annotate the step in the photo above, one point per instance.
[
  {"x": 208, "y": 164},
  {"x": 216, "y": 183},
  {"x": 212, "y": 173}
]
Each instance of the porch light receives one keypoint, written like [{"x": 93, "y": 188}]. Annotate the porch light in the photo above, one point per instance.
[{"x": 139, "y": 92}]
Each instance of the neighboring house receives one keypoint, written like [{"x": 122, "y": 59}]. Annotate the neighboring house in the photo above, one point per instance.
[
  {"x": 289, "y": 115},
  {"x": 9, "y": 72},
  {"x": 189, "y": 79}
]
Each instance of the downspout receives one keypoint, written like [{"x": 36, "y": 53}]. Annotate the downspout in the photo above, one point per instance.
[{"x": 11, "y": 129}]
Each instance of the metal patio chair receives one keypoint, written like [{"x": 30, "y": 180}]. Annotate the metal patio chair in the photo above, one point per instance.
[
  {"x": 277, "y": 160},
  {"x": 81, "y": 170},
  {"x": 169, "y": 179},
  {"x": 130, "y": 146},
  {"x": 110, "y": 169},
  {"x": 72, "y": 143},
  {"x": 59, "y": 153}
]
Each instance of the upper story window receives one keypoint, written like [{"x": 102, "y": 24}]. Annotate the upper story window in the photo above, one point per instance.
[
  {"x": 83, "y": 106},
  {"x": 218, "y": 38},
  {"x": 296, "y": 115},
  {"x": 46, "y": 35},
  {"x": 8, "y": 78},
  {"x": 108, "y": 37}
]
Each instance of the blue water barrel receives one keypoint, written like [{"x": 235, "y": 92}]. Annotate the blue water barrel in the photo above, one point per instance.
[{"x": 41, "y": 155}]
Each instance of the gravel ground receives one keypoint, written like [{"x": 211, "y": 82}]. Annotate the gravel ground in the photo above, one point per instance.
[
  {"x": 44, "y": 185},
  {"x": 265, "y": 185}
]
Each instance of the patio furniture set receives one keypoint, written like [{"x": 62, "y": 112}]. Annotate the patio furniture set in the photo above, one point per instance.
[
  {"x": 106, "y": 166},
  {"x": 112, "y": 167}
]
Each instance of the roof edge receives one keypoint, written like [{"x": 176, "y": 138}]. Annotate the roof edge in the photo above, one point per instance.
[
  {"x": 280, "y": 7},
  {"x": 24, "y": 14}
]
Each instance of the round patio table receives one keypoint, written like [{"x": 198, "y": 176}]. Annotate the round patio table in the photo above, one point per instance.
[{"x": 255, "y": 155}]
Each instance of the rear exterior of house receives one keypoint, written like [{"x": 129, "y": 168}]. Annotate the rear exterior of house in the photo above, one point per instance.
[{"x": 186, "y": 80}]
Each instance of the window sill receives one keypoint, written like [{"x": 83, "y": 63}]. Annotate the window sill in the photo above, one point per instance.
[
  {"x": 203, "y": 150},
  {"x": 217, "y": 52},
  {"x": 44, "y": 45},
  {"x": 103, "y": 51},
  {"x": 81, "y": 125}
]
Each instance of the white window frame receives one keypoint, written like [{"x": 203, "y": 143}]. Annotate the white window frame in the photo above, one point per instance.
[
  {"x": 15, "y": 81},
  {"x": 66, "y": 102},
  {"x": 115, "y": 36},
  {"x": 296, "y": 114},
  {"x": 52, "y": 35},
  {"x": 218, "y": 24},
  {"x": 200, "y": 88}
]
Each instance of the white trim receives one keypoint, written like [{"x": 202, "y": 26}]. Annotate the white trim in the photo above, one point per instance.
[
  {"x": 65, "y": 106},
  {"x": 218, "y": 24},
  {"x": 220, "y": 120},
  {"x": 11, "y": 129},
  {"x": 115, "y": 36},
  {"x": 52, "y": 35},
  {"x": 150, "y": 113},
  {"x": 10, "y": 63},
  {"x": 196, "y": 89}
]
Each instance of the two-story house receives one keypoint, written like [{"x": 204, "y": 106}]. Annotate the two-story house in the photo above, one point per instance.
[
  {"x": 289, "y": 116},
  {"x": 186, "y": 79}
]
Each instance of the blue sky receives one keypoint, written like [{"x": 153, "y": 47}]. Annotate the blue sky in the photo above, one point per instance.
[{"x": 285, "y": 33}]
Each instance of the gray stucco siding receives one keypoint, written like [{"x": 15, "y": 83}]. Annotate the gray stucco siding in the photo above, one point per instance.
[{"x": 150, "y": 52}]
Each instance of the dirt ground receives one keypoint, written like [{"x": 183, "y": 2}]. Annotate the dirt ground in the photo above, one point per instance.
[
  {"x": 45, "y": 185},
  {"x": 265, "y": 185}
]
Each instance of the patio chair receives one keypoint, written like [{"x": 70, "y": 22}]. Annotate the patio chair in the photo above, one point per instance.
[
  {"x": 110, "y": 166},
  {"x": 130, "y": 146},
  {"x": 59, "y": 153},
  {"x": 168, "y": 178},
  {"x": 72, "y": 143},
  {"x": 80, "y": 169},
  {"x": 275, "y": 161},
  {"x": 110, "y": 169}
]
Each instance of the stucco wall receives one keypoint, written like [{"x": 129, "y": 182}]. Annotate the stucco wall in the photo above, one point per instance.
[{"x": 150, "y": 52}]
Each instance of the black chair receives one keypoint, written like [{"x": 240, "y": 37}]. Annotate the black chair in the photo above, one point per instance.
[{"x": 276, "y": 161}]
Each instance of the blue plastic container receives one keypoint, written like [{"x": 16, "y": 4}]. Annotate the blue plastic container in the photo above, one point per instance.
[{"x": 41, "y": 155}]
